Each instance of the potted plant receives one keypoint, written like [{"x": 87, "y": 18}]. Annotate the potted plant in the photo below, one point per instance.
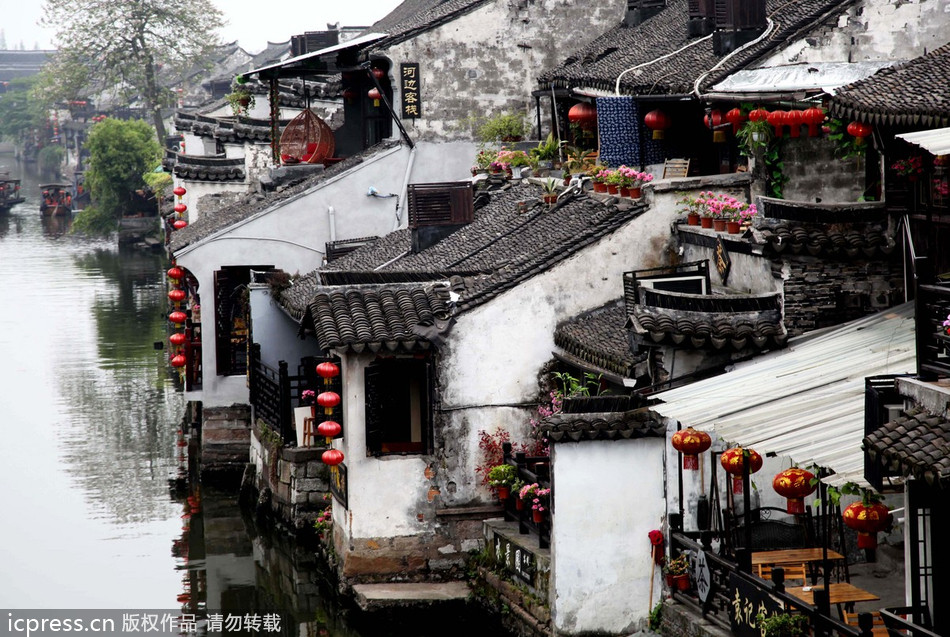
[
  {"x": 783, "y": 625},
  {"x": 614, "y": 179},
  {"x": 598, "y": 175},
  {"x": 753, "y": 136},
  {"x": 635, "y": 181},
  {"x": 692, "y": 206},
  {"x": 677, "y": 572},
  {"x": 501, "y": 478},
  {"x": 240, "y": 100},
  {"x": 547, "y": 152},
  {"x": 549, "y": 192},
  {"x": 505, "y": 127},
  {"x": 483, "y": 161},
  {"x": 910, "y": 168},
  {"x": 308, "y": 397},
  {"x": 514, "y": 159},
  {"x": 538, "y": 496}
]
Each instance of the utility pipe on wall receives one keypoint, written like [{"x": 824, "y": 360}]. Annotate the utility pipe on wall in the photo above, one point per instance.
[{"x": 331, "y": 216}]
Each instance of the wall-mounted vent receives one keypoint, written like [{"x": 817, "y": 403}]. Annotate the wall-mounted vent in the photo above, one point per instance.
[
  {"x": 337, "y": 249},
  {"x": 437, "y": 210}
]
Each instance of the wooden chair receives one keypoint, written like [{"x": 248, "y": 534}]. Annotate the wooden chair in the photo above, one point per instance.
[
  {"x": 675, "y": 168},
  {"x": 877, "y": 628},
  {"x": 792, "y": 571}
]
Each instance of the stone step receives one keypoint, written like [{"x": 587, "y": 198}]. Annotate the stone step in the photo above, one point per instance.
[{"x": 376, "y": 596}]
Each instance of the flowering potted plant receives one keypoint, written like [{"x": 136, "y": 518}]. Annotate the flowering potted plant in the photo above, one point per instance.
[
  {"x": 501, "y": 478},
  {"x": 538, "y": 496},
  {"x": 514, "y": 159},
  {"x": 308, "y": 397},
  {"x": 498, "y": 167},
  {"x": 693, "y": 208},
  {"x": 910, "y": 168},
  {"x": 598, "y": 175},
  {"x": 635, "y": 180},
  {"x": 614, "y": 180},
  {"x": 726, "y": 209},
  {"x": 677, "y": 572},
  {"x": 483, "y": 162}
]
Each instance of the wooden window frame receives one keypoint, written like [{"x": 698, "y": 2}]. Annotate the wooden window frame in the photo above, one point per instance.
[{"x": 398, "y": 397}]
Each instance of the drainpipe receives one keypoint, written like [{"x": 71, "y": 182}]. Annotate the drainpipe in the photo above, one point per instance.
[
  {"x": 404, "y": 192},
  {"x": 331, "y": 215}
]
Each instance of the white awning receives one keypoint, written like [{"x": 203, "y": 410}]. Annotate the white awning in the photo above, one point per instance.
[
  {"x": 807, "y": 401},
  {"x": 824, "y": 76},
  {"x": 293, "y": 62},
  {"x": 935, "y": 141}
]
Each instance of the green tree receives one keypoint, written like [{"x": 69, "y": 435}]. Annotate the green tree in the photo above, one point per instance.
[
  {"x": 123, "y": 44},
  {"x": 20, "y": 112},
  {"x": 120, "y": 152}
]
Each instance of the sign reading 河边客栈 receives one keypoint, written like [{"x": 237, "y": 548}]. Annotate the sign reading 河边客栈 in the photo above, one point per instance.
[{"x": 409, "y": 83}]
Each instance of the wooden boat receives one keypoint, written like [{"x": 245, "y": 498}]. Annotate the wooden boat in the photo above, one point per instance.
[
  {"x": 56, "y": 199},
  {"x": 9, "y": 193}
]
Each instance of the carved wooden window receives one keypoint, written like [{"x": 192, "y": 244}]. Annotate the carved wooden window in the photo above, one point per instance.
[
  {"x": 232, "y": 318},
  {"x": 398, "y": 406}
]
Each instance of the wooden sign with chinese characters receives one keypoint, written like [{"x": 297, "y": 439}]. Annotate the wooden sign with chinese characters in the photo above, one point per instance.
[
  {"x": 747, "y": 602},
  {"x": 409, "y": 81},
  {"x": 338, "y": 484},
  {"x": 723, "y": 262},
  {"x": 702, "y": 577},
  {"x": 515, "y": 559}
]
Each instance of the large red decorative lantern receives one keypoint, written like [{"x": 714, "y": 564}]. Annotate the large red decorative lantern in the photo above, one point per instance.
[
  {"x": 712, "y": 121},
  {"x": 690, "y": 443},
  {"x": 177, "y": 295},
  {"x": 867, "y": 520},
  {"x": 859, "y": 130},
  {"x": 379, "y": 74},
  {"x": 349, "y": 95},
  {"x": 736, "y": 118},
  {"x": 180, "y": 208},
  {"x": 327, "y": 370},
  {"x": 733, "y": 460},
  {"x": 179, "y": 360},
  {"x": 179, "y": 224},
  {"x": 584, "y": 115},
  {"x": 758, "y": 115},
  {"x": 177, "y": 339},
  {"x": 794, "y": 484},
  {"x": 777, "y": 120},
  {"x": 794, "y": 119},
  {"x": 179, "y": 191},
  {"x": 332, "y": 457},
  {"x": 329, "y": 429},
  {"x": 175, "y": 273},
  {"x": 177, "y": 317},
  {"x": 813, "y": 116},
  {"x": 328, "y": 399},
  {"x": 658, "y": 122},
  {"x": 374, "y": 95}
]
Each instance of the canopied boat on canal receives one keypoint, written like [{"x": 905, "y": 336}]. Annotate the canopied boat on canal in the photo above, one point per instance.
[
  {"x": 9, "y": 192},
  {"x": 57, "y": 199}
]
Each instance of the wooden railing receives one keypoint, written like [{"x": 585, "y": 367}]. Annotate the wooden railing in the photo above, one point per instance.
[
  {"x": 732, "y": 590},
  {"x": 933, "y": 342},
  {"x": 531, "y": 469},
  {"x": 272, "y": 392}
]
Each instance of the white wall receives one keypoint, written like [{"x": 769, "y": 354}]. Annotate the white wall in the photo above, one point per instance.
[
  {"x": 276, "y": 331},
  {"x": 609, "y": 496}
]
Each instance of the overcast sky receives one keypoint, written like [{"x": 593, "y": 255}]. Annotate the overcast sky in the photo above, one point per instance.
[{"x": 252, "y": 23}]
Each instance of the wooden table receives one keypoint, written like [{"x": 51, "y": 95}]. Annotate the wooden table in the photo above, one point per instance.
[
  {"x": 792, "y": 556},
  {"x": 838, "y": 593}
]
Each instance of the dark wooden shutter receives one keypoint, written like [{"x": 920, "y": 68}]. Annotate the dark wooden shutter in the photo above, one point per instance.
[
  {"x": 439, "y": 204},
  {"x": 223, "y": 305},
  {"x": 373, "y": 385}
]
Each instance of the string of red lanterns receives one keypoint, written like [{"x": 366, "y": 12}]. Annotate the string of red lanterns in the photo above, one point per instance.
[
  {"x": 329, "y": 400},
  {"x": 180, "y": 209},
  {"x": 177, "y": 295}
]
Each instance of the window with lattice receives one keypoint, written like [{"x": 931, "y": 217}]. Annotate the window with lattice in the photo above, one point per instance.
[{"x": 398, "y": 406}]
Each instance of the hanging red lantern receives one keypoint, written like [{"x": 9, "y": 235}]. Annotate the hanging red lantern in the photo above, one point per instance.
[
  {"x": 175, "y": 273},
  {"x": 179, "y": 360},
  {"x": 584, "y": 114},
  {"x": 658, "y": 122},
  {"x": 867, "y": 520},
  {"x": 177, "y": 317},
  {"x": 349, "y": 95},
  {"x": 712, "y": 120},
  {"x": 736, "y": 118},
  {"x": 328, "y": 399},
  {"x": 814, "y": 117},
  {"x": 329, "y": 429},
  {"x": 794, "y": 484},
  {"x": 179, "y": 224},
  {"x": 732, "y": 460},
  {"x": 859, "y": 130},
  {"x": 379, "y": 74},
  {"x": 179, "y": 191},
  {"x": 177, "y": 295},
  {"x": 795, "y": 119},
  {"x": 327, "y": 370},
  {"x": 374, "y": 95},
  {"x": 180, "y": 208},
  {"x": 177, "y": 339},
  {"x": 777, "y": 120},
  {"x": 690, "y": 443},
  {"x": 758, "y": 115},
  {"x": 332, "y": 457}
]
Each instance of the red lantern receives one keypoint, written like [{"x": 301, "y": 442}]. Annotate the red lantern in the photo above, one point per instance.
[
  {"x": 175, "y": 273},
  {"x": 327, "y": 370},
  {"x": 179, "y": 360},
  {"x": 177, "y": 295},
  {"x": 328, "y": 399},
  {"x": 758, "y": 115},
  {"x": 179, "y": 224},
  {"x": 867, "y": 520},
  {"x": 180, "y": 208},
  {"x": 795, "y": 119},
  {"x": 859, "y": 130},
  {"x": 349, "y": 95},
  {"x": 332, "y": 457},
  {"x": 177, "y": 317},
  {"x": 777, "y": 120},
  {"x": 379, "y": 74},
  {"x": 794, "y": 484},
  {"x": 179, "y": 191},
  {"x": 658, "y": 122},
  {"x": 329, "y": 429},
  {"x": 690, "y": 443},
  {"x": 813, "y": 116},
  {"x": 732, "y": 461},
  {"x": 735, "y": 117},
  {"x": 374, "y": 95},
  {"x": 584, "y": 115},
  {"x": 177, "y": 339},
  {"x": 712, "y": 120}
]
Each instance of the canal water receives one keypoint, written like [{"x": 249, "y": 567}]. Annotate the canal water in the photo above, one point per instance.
[{"x": 93, "y": 517}]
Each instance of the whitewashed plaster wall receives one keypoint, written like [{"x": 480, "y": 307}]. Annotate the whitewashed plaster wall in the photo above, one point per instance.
[
  {"x": 276, "y": 331},
  {"x": 601, "y": 572},
  {"x": 872, "y": 30},
  {"x": 749, "y": 273},
  {"x": 195, "y": 190},
  {"x": 487, "y": 61}
]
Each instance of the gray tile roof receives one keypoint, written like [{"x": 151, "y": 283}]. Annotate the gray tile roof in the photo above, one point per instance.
[
  {"x": 600, "y": 63},
  {"x": 917, "y": 443},
  {"x": 624, "y": 425},
  {"x": 413, "y": 17},
  {"x": 599, "y": 338},
  {"x": 914, "y": 93}
]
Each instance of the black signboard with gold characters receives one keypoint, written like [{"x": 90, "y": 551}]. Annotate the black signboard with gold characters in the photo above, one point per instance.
[
  {"x": 723, "y": 262},
  {"x": 338, "y": 483},
  {"x": 747, "y": 603},
  {"x": 409, "y": 82}
]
